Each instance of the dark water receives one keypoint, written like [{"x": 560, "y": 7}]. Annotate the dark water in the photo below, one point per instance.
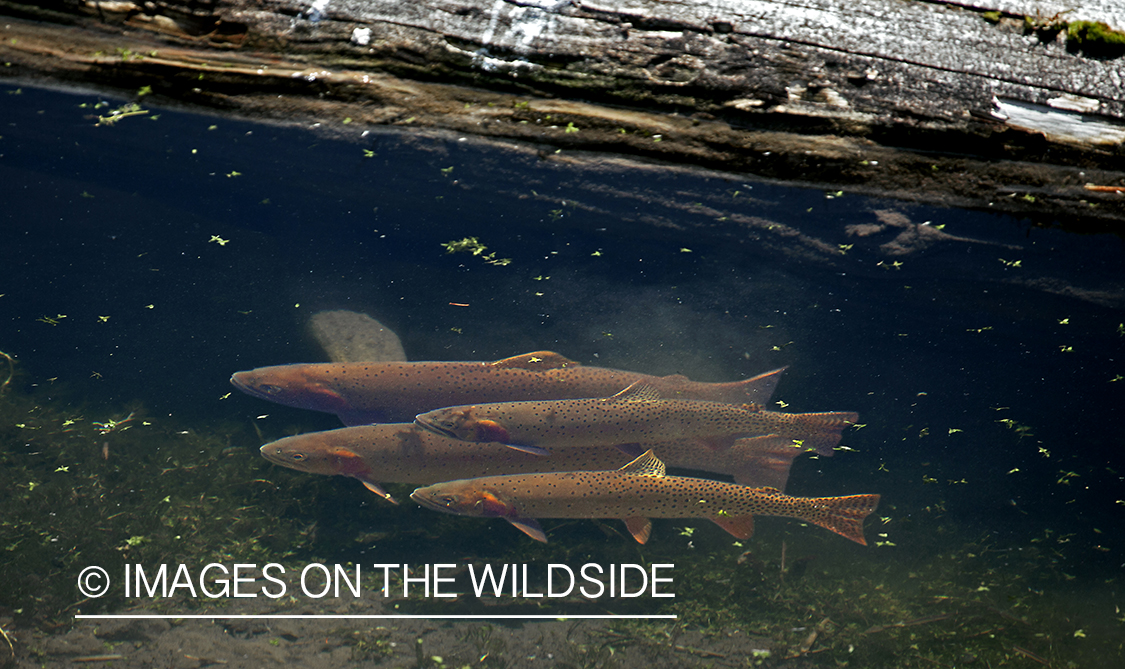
[{"x": 145, "y": 261}]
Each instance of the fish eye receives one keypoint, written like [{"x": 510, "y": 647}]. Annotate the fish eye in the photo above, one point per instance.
[
  {"x": 270, "y": 389},
  {"x": 448, "y": 500},
  {"x": 297, "y": 457}
]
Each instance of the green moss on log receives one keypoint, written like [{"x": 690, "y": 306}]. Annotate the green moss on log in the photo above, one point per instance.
[{"x": 1096, "y": 38}]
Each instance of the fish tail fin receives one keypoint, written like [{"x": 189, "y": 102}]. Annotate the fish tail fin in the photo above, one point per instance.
[
  {"x": 756, "y": 390},
  {"x": 762, "y": 461},
  {"x": 822, "y": 432},
  {"x": 842, "y": 515}
]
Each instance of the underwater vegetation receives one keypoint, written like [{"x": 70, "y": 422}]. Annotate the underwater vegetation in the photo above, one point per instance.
[
  {"x": 86, "y": 484},
  {"x": 82, "y": 487}
]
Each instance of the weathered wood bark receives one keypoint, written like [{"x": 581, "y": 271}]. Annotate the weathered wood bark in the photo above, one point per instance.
[{"x": 970, "y": 104}]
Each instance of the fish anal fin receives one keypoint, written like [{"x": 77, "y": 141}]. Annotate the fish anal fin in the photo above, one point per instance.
[
  {"x": 530, "y": 527},
  {"x": 646, "y": 464},
  {"x": 535, "y": 361},
  {"x": 639, "y": 527},
  {"x": 740, "y": 527},
  {"x": 378, "y": 490},
  {"x": 638, "y": 391}
]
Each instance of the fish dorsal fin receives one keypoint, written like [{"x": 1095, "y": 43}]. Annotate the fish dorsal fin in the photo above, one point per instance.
[
  {"x": 638, "y": 391},
  {"x": 536, "y": 361},
  {"x": 645, "y": 465},
  {"x": 632, "y": 450},
  {"x": 639, "y": 527},
  {"x": 530, "y": 527}
]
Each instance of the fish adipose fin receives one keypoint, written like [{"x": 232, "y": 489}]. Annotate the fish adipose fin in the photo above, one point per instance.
[
  {"x": 638, "y": 391},
  {"x": 645, "y": 465},
  {"x": 378, "y": 490},
  {"x": 740, "y": 527},
  {"x": 530, "y": 527},
  {"x": 639, "y": 527},
  {"x": 536, "y": 361}
]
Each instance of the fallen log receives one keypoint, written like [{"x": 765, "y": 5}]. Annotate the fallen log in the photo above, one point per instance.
[{"x": 989, "y": 104}]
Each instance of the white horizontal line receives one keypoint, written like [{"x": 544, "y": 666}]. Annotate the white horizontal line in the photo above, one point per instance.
[{"x": 311, "y": 616}]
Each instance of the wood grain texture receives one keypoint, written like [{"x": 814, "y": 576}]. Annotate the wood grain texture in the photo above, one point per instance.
[{"x": 813, "y": 90}]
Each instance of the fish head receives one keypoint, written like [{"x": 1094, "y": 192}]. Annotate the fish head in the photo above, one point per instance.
[
  {"x": 299, "y": 452},
  {"x": 312, "y": 454},
  {"x": 464, "y": 424},
  {"x": 464, "y": 498},
  {"x": 300, "y": 386}
]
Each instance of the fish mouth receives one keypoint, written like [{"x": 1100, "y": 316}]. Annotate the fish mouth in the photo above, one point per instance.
[
  {"x": 423, "y": 422},
  {"x": 278, "y": 456},
  {"x": 426, "y": 499},
  {"x": 242, "y": 381},
  {"x": 269, "y": 452}
]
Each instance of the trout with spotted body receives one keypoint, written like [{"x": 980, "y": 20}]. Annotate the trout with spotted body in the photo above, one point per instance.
[
  {"x": 638, "y": 491},
  {"x": 373, "y": 392},
  {"x": 636, "y": 415},
  {"x": 407, "y": 453}
]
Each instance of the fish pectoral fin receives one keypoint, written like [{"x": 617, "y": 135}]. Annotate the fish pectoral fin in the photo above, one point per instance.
[
  {"x": 378, "y": 490},
  {"x": 532, "y": 450},
  {"x": 535, "y": 361},
  {"x": 639, "y": 527},
  {"x": 740, "y": 527},
  {"x": 530, "y": 527}
]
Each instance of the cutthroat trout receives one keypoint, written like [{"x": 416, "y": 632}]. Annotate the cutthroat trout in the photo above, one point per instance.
[
  {"x": 636, "y": 415},
  {"x": 370, "y": 392},
  {"x": 636, "y": 492},
  {"x": 406, "y": 453}
]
